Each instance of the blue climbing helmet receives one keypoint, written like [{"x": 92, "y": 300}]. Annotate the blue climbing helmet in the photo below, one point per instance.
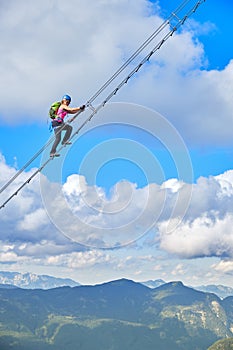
[{"x": 66, "y": 97}]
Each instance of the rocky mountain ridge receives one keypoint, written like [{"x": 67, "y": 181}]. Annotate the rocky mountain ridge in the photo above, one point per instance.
[{"x": 33, "y": 281}]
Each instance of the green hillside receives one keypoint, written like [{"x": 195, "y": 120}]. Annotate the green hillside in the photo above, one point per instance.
[
  {"x": 116, "y": 315},
  {"x": 225, "y": 344}
]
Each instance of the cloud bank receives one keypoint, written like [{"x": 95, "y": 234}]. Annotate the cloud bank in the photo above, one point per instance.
[{"x": 204, "y": 230}]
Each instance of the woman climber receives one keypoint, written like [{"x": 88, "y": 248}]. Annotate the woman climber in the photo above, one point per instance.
[{"x": 59, "y": 125}]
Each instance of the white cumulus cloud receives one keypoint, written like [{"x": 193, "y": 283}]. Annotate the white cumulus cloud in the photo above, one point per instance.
[
  {"x": 196, "y": 226},
  {"x": 224, "y": 266}
]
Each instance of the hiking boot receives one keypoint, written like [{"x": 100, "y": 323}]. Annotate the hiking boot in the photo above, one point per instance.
[{"x": 52, "y": 155}]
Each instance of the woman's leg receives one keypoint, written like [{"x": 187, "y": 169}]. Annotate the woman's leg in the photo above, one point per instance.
[
  {"x": 68, "y": 130},
  {"x": 57, "y": 132}
]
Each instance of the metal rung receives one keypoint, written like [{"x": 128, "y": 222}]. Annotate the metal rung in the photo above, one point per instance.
[
  {"x": 92, "y": 108},
  {"x": 175, "y": 15}
]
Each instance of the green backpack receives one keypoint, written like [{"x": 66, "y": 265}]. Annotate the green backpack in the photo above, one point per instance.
[{"x": 53, "y": 110}]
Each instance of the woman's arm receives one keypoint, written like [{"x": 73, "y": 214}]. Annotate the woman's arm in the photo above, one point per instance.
[{"x": 70, "y": 110}]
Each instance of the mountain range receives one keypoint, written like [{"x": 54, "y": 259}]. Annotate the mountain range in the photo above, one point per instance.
[
  {"x": 220, "y": 290},
  {"x": 33, "y": 281},
  {"x": 118, "y": 315}
]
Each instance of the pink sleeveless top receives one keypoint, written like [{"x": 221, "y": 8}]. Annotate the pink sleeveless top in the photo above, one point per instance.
[{"x": 61, "y": 113}]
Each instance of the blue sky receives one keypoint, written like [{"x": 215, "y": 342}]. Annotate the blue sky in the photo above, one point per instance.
[{"x": 151, "y": 173}]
